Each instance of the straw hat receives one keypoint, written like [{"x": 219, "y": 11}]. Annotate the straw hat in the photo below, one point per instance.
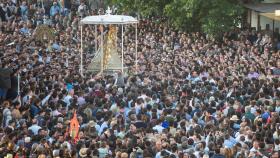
[
  {"x": 234, "y": 118},
  {"x": 9, "y": 156},
  {"x": 91, "y": 123},
  {"x": 83, "y": 152}
]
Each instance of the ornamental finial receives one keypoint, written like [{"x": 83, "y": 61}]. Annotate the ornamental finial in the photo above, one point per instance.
[{"x": 108, "y": 11}]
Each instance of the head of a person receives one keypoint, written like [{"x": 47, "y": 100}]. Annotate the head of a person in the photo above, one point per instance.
[
  {"x": 256, "y": 144},
  {"x": 275, "y": 154},
  {"x": 124, "y": 155},
  {"x": 158, "y": 145}
]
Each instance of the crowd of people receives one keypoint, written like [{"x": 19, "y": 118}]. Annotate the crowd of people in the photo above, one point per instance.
[{"x": 190, "y": 96}]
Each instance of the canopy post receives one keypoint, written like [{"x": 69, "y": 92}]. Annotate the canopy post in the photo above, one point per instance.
[
  {"x": 122, "y": 48},
  {"x": 18, "y": 80},
  {"x": 81, "y": 49},
  {"x": 101, "y": 46},
  {"x": 42, "y": 5},
  {"x": 95, "y": 38},
  {"x": 136, "y": 47}
]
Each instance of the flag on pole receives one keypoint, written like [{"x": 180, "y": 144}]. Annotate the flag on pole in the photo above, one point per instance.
[{"x": 74, "y": 128}]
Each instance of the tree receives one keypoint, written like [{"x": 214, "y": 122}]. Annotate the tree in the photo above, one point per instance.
[
  {"x": 210, "y": 16},
  {"x": 144, "y": 8},
  {"x": 186, "y": 14},
  {"x": 223, "y": 16}
]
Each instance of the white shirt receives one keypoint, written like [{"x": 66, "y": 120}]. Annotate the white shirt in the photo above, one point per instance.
[
  {"x": 26, "y": 98},
  {"x": 34, "y": 128},
  {"x": 7, "y": 115},
  {"x": 253, "y": 149},
  {"x": 276, "y": 147},
  {"x": 277, "y": 109},
  {"x": 158, "y": 128},
  {"x": 55, "y": 113},
  {"x": 104, "y": 125},
  {"x": 253, "y": 110},
  {"x": 67, "y": 100},
  {"x": 143, "y": 96},
  {"x": 81, "y": 101}
]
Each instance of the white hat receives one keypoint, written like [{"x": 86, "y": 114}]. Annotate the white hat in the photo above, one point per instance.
[
  {"x": 55, "y": 153},
  {"x": 211, "y": 99},
  {"x": 234, "y": 118},
  {"x": 60, "y": 119},
  {"x": 27, "y": 139},
  {"x": 120, "y": 91}
]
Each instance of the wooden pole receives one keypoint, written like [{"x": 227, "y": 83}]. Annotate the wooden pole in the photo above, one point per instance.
[
  {"x": 81, "y": 66},
  {"x": 122, "y": 48},
  {"x": 102, "y": 53},
  {"x": 136, "y": 48}
]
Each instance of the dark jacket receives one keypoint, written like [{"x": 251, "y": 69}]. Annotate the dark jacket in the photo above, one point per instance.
[
  {"x": 2, "y": 14},
  {"x": 218, "y": 156},
  {"x": 5, "y": 78}
]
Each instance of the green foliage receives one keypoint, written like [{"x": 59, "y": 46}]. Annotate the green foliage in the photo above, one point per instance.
[
  {"x": 186, "y": 14},
  {"x": 143, "y": 7},
  {"x": 223, "y": 16},
  {"x": 210, "y": 16}
]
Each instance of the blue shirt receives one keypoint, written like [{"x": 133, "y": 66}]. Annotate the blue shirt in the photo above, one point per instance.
[
  {"x": 55, "y": 9},
  {"x": 69, "y": 87},
  {"x": 265, "y": 115},
  {"x": 56, "y": 46},
  {"x": 195, "y": 111},
  {"x": 18, "y": 48},
  {"x": 24, "y": 30},
  {"x": 23, "y": 10},
  {"x": 278, "y": 46},
  {"x": 193, "y": 79},
  {"x": 65, "y": 12},
  {"x": 126, "y": 111},
  {"x": 228, "y": 143},
  {"x": 34, "y": 110},
  {"x": 236, "y": 126}
]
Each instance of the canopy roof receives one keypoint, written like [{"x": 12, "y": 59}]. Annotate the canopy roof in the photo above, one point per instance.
[
  {"x": 271, "y": 16},
  {"x": 263, "y": 7},
  {"x": 109, "y": 19}
]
